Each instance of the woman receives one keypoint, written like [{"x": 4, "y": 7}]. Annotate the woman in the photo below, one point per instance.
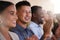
[
  {"x": 56, "y": 28},
  {"x": 7, "y": 20},
  {"x": 48, "y": 26}
]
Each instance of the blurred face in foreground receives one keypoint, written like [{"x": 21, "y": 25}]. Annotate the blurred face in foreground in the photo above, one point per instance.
[{"x": 8, "y": 16}]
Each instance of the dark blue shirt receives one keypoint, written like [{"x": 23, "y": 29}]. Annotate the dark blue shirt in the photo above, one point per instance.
[{"x": 21, "y": 32}]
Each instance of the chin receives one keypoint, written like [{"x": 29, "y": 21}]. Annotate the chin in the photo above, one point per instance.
[
  {"x": 13, "y": 25},
  {"x": 27, "y": 21}
]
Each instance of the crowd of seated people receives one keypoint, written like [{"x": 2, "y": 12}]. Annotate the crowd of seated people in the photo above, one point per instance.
[{"x": 20, "y": 21}]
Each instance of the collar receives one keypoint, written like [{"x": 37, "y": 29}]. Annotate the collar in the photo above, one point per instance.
[
  {"x": 33, "y": 23},
  {"x": 20, "y": 28}
]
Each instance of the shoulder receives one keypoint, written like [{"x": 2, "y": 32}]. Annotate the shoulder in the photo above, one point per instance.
[
  {"x": 2, "y": 37},
  {"x": 14, "y": 36}
]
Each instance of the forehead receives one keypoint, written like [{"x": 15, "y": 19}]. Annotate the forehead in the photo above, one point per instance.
[
  {"x": 39, "y": 11},
  {"x": 8, "y": 10},
  {"x": 25, "y": 8},
  {"x": 11, "y": 8}
]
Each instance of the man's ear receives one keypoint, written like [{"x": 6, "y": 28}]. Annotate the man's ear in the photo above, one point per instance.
[{"x": 34, "y": 15}]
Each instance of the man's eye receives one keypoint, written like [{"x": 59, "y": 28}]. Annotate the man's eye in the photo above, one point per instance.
[
  {"x": 12, "y": 13},
  {"x": 30, "y": 12}
]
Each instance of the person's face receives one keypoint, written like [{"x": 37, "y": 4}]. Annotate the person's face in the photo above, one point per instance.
[
  {"x": 39, "y": 16},
  {"x": 9, "y": 16},
  {"x": 24, "y": 14}
]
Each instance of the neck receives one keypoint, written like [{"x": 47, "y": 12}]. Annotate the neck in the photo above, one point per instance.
[
  {"x": 24, "y": 25},
  {"x": 4, "y": 29},
  {"x": 5, "y": 32},
  {"x": 35, "y": 21}
]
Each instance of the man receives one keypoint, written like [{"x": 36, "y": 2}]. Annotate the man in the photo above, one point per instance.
[
  {"x": 37, "y": 21},
  {"x": 24, "y": 17}
]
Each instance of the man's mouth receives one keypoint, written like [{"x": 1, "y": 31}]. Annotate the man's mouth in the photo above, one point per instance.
[
  {"x": 27, "y": 18},
  {"x": 14, "y": 22}
]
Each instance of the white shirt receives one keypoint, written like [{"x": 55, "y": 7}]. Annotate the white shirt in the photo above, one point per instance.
[{"x": 36, "y": 29}]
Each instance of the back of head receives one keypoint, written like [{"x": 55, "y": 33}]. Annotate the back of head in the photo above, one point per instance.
[
  {"x": 35, "y": 8},
  {"x": 22, "y": 3},
  {"x": 4, "y": 5}
]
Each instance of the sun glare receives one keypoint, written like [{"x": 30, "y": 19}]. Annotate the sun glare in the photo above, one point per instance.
[{"x": 56, "y": 5}]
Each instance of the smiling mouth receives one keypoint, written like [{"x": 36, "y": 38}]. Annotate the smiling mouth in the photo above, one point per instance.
[
  {"x": 27, "y": 18},
  {"x": 14, "y": 22}
]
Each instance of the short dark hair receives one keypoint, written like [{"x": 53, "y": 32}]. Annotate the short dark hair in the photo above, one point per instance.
[
  {"x": 4, "y": 5},
  {"x": 35, "y": 8},
  {"x": 22, "y": 3}
]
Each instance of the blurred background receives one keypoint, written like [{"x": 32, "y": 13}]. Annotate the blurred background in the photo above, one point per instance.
[{"x": 50, "y": 5}]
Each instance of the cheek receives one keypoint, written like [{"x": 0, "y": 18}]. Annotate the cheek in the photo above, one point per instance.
[
  {"x": 30, "y": 14},
  {"x": 5, "y": 21},
  {"x": 37, "y": 17},
  {"x": 9, "y": 19},
  {"x": 21, "y": 16}
]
